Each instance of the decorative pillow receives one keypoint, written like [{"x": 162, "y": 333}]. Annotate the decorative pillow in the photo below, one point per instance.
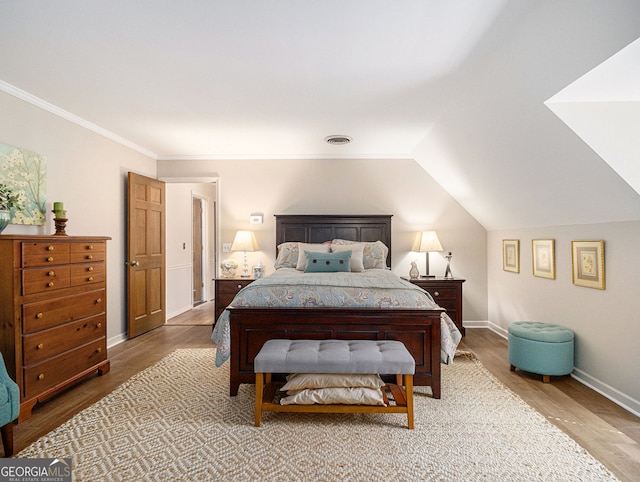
[
  {"x": 357, "y": 253},
  {"x": 314, "y": 248},
  {"x": 301, "y": 381},
  {"x": 328, "y": 262},
  {"x": 287, "y": 255},
  {"x": 347, "y": 396},
  {"x": 375, "y": 253}
]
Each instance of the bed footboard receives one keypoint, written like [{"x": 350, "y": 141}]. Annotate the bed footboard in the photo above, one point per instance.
[{"x": 418, "y": 330}]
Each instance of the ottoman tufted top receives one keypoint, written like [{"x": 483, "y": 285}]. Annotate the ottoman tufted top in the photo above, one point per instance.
[
  {"x": 537, "y": 331},
  {"x": 334, "y": 356}
]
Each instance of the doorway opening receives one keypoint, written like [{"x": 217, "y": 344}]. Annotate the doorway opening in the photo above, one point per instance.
[{"x": 191, "y": 250}]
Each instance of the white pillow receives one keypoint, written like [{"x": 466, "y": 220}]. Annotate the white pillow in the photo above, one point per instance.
[
  {"x": 357, "y": 254},
  {"x": 346, "y": 396},
  {"x": 300, "y": 381},
  {"x": 314, "y": 248}
]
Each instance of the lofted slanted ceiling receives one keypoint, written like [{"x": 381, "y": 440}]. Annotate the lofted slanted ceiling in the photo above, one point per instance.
[{"x": 459, "y": 86}]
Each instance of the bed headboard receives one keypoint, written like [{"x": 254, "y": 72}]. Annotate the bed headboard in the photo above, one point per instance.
[{"x": 318, "y": 228}]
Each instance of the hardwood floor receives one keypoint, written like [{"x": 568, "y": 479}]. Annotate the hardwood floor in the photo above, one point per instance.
[
  {"x": 200, "y": 315},
  {"x": 608, "y": 432}
]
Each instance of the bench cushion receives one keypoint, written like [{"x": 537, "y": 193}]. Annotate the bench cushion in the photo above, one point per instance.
[
  {"x": 537, "y": 331},
  {"x": 334, "y": 356}
]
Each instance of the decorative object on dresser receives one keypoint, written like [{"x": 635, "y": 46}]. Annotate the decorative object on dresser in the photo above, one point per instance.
[
  {"x": 245, "y": 241},
  {"x": 447, "y": 271},
  {"x": 426, "y": 242},
  {"x": 447, "y": 292},
  {"x": 8, "y": 200},
  {"x": 225, "y": 290},
  {"x": 53, "y": 333}
]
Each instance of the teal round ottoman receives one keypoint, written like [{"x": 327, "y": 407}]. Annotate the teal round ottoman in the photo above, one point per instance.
[{"x": 541, "y": 348}]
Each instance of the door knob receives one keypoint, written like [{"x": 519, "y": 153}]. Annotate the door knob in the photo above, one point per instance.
[{"x": 132, "y": 263}]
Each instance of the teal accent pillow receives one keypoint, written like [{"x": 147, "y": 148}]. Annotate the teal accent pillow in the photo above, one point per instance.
[{"x": 328, "y": 262}]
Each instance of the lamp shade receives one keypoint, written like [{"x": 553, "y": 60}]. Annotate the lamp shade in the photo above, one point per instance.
[
  {"x": 244, "y": 241},
  {"x": 427, "y": 241}
]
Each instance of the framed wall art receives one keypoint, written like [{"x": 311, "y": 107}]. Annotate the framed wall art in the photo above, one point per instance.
[
  {"x": 543, "y": 254},
  {"x": 25, "y": 174},
  {"x": 511, "y": 255},
  {"x": 587, "y": 262}
]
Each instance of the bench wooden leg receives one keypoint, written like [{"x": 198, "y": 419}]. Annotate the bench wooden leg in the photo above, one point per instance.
[
  {"x": 259, "y": 389},
  {"x": 408, "y": 382}
]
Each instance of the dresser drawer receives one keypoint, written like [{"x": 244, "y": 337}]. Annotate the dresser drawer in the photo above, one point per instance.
[
  {"x": 43, "y": 376},
  {"x": 83, "y": 252},
  {"x": 45, "y": 279},
  {"x": 44, "y": 254},
  {"x": 82, "y": 274},
  {"x": 232, "y": 286},
  {"x": 54, "y": 341},
  {"x": 46, "y": 314},
  {"x": 443, "y": 292}
]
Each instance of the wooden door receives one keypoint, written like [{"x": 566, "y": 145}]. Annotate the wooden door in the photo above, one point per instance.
[
  {"x": 197, "y": 251},
  {"x": 146, "y": 255}
]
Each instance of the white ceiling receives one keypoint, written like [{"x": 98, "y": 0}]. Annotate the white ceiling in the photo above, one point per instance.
[
  {"x": 244, "y": 79},
  {"x": 458, "y": 85}
]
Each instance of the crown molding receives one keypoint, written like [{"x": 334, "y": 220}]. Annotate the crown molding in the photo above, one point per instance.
[{"x": 55, "y": 110}]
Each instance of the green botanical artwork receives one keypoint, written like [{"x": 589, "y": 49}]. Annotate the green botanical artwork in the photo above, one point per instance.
[{"x": 25, "y": 173}]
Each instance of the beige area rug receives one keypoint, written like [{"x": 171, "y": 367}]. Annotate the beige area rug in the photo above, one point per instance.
[{"x": 176, "y": 421}]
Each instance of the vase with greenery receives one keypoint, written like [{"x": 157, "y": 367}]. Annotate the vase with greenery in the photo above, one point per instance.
[{"x": 8, "y": 200}]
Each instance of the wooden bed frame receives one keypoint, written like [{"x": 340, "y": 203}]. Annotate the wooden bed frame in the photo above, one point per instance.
[{"x": 419, "y": 330}]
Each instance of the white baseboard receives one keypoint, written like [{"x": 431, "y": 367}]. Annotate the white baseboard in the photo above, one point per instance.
[
  {"x": 116, "y": 340},
  {"x": 616, "y": 396}
]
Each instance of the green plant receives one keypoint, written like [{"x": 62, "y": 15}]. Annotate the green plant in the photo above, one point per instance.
[{"x": 8, "y": 199}]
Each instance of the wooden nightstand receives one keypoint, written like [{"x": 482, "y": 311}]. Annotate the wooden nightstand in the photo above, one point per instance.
[
  {"x": 225, "y": 290},
  {"x": 447, "y": 292}
]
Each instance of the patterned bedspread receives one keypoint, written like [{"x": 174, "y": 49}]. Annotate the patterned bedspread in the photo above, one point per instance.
[{"x": 374, "y": 288}]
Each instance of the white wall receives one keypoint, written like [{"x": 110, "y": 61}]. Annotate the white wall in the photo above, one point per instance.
[
  {"x": 398, "y": 187},
  {"x": 606, "y": 322},
  {"x": 180, "y": 243},
  {"x": 89, "y": 174}
]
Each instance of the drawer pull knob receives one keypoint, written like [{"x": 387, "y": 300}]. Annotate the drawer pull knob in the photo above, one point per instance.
[
  {"x": 90, "y": 278},
  {"x": 50, "y": 284},
  {"x": 49, "y": 248},
  {"x": 99, "y": 350},
  {"x": 99, "y": 300},
  {"x": 50, "y": 259},
  {"x": 239, "y": 286},
  {"x": 41, "y": 376},
  {"x": 89, "y": 256},
  {"x": 90, "y": 268},
  {"x": 51, "y": 273},
  {"x": 38, "y": 316},
  {"x": 436, "y": 293},
  {"x": 90, "y": 246},
  {"x": 99, "y": 325},
  {"x": 40, "y": 346}
]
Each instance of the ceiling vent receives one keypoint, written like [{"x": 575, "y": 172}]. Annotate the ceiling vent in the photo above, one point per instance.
[{"x": 338, "y": 140}]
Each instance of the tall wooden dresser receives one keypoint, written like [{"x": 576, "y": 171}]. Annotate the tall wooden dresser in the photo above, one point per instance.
[{"x": 53, "y": 312}]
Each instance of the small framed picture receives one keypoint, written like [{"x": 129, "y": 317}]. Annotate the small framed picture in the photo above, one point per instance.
[
  {"x": 587, "y": 262},
  {"x": 511, "y": 255},
  {"x": 544, "y": 263},
  {"x": 258, "y": 272}
]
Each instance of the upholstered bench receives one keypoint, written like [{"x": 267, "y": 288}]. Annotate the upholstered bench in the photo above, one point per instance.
[
  {"x": 542, "y": 348},
  {"x": 386, "y": 357}
]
